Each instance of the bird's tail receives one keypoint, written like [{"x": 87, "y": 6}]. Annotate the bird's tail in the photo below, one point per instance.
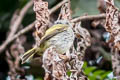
[{"x": 28, "y": 55}]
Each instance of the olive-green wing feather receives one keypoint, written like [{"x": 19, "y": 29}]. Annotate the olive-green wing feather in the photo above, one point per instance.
[
  {"x": 53, "y": 31},
  {"x": 28, "y": 55}
]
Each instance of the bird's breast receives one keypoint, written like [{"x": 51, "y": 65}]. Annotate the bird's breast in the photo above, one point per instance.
[{"x": 62, "y": 41}]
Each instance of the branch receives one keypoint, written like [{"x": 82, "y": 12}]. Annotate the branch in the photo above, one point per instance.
[
  {"x": 14, "y": 27},
  {"x": 90, "y": 17},
  {"x": 57, "y": 6},
  {"x": 26, "y": 29}
]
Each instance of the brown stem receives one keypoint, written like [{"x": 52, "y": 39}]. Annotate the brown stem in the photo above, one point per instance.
[
  {"x": 57, "y": 6},
  {"x": 19, "y": 19},
  {"x": 26, "y": 29},
  {"x": 90, "y": 17}
]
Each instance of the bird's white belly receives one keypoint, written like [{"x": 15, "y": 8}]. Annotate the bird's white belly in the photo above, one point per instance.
[{"x": 62, "y": 41}]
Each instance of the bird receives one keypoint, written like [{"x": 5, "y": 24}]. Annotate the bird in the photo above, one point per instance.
[{"x": 60, "y": 35}]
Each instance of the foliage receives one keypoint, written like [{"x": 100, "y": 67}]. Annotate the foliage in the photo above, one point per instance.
[{"x": 95, "y": 74}]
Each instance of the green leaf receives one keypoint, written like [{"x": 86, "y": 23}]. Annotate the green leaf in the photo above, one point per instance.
[
  {"x": 89, "y": 70},
  {"x": 69, "y": 73},
  {"x": 91, "y": 77},
  {"x": 84, "y": 65},
  {"x": 98, "y": 73},
  {"x": 105, "y": 75}
]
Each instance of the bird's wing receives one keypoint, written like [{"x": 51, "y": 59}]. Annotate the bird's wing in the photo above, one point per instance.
[{"x": 53, "y": 33}]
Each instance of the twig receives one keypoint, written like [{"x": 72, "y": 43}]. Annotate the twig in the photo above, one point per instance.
[
  {"x": 19, "y": 19},
  {"x": 57, "y": 6},
  {"x": 14, "y": 27},
  {"x": 90, "y": 17},
  {"x": 65, "y": 12},
  {"x": 13, "y": 19},
  {"x": 26, "y": 29}
]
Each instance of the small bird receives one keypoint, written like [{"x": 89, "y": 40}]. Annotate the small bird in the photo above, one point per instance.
[{"x": 60, "y": 35}]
